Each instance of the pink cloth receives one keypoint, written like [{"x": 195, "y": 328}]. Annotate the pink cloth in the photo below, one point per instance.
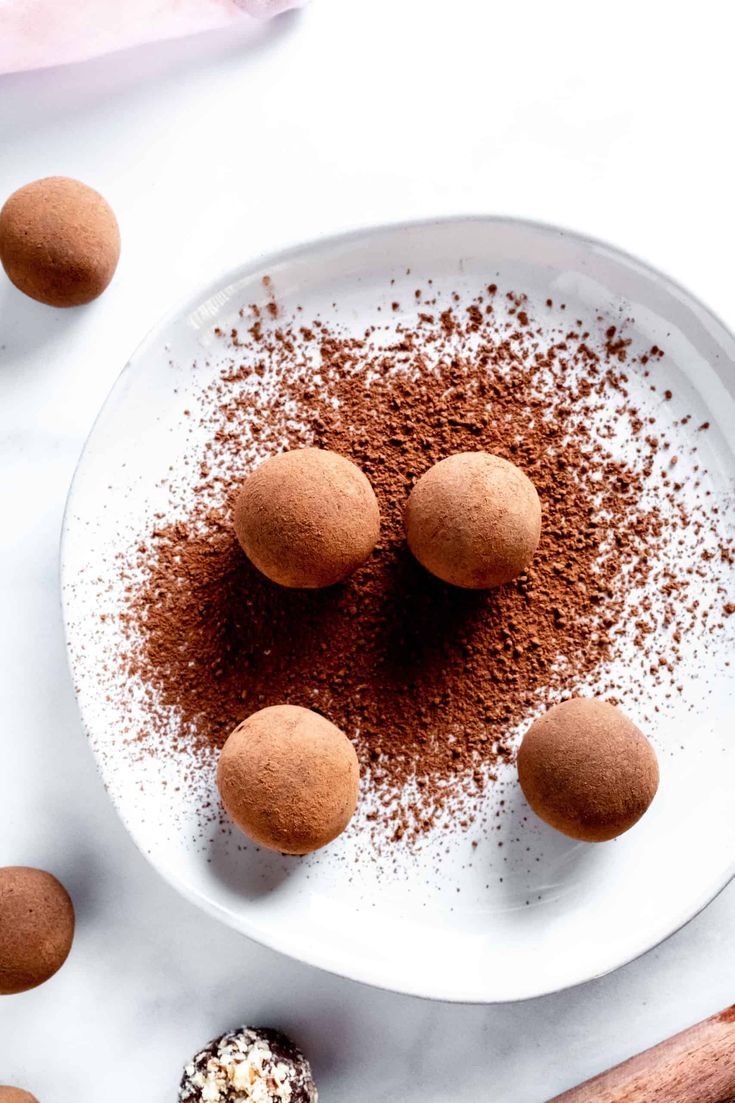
[{"x": 36, "y": 33}]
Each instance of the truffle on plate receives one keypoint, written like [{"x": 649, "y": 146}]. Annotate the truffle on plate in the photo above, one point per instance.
[
  {"x": 307, "y": 518},
  {"x": 59, "y": 241},
  {"x": 36, "y": 927},
  {"x": 474, "y": 520},
  {"x": 587, "y": 770},
  {"x": 249, "y": 1065},
  {"x": 289, "y": 779}
]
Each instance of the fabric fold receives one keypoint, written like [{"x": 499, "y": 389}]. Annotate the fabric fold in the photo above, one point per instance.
[{"x": 35, "y": 34}]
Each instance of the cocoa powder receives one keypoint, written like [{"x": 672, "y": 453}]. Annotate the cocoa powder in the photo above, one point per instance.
[{"x": 431, "y": 683}]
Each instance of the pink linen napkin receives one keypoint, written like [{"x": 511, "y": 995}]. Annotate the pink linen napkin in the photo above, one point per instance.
[{"x": 36, "y": 33}]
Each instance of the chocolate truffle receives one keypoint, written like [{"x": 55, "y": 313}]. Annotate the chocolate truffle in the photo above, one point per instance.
[
  {"x": 587, "y": 770},
  {"x": 59, "y": 241},
  {"x": 474, "y": 520},
  {"x": 36, "y": 927},
  {"x": 307, "y": 518},
  {"x": 15, "y": 1095},
  {"x": 289, "y": 779},
  {"x": 250, "y": 1065}
]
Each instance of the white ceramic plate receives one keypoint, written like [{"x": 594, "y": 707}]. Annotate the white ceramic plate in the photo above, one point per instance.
[{"x": 485, "y": 924}]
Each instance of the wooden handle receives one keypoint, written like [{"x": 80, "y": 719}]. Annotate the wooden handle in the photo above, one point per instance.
[{"x": 696, "y": 1066}]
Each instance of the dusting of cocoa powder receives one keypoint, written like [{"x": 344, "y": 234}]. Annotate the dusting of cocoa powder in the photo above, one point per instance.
[{"x": 431, "y": 683}]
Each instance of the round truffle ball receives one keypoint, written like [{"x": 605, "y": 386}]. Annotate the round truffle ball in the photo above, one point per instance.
[
  {"x": 474, "y": 520},
  {"x": 307, "y": 518},
  {"x": 15, "y": 1095},
  {"x": 252, "y": 1063},
  {"x": 587, "y": 770},
  {"x": 289, "y": 779},
  {"x": 59, "y": 241},
  {"x": 36, "y": 927}
]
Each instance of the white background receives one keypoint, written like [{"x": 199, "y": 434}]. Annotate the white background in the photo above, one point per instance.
[{"x": 615, "y": 120}]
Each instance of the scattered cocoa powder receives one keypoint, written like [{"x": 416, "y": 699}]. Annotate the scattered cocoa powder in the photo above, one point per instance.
[{"x": 431, "y": 683}]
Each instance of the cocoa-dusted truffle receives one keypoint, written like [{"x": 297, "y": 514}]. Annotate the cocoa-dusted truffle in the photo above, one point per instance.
[
  {"x": 249, "y": 1065},
  {"x": 36, "y": 927},
  {"x": 474, "y": 520},
  {"x": 59, "y": 241},
  {"x": 15, "y": 1095},
  {"x": 289, "y": 779},
  {"x": 587, "y": 770},
  {"x": 307, "y": 518}
]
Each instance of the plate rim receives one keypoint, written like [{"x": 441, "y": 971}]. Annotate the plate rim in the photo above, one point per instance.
[{"x": 259, "y": 933}]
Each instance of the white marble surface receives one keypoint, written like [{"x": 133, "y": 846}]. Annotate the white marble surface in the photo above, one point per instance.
[{"x": 217, "y": 149}]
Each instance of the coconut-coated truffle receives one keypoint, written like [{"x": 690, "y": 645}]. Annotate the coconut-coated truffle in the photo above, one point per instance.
[
  {"x": 15, "y": 1095},
  {"x": 249, "y": 1065},
  {"x": 307, "y": 518},
  {"x": 474, "y": 520},
  {"x": 36, "y": 927},
  {"x": 59, "y": 241},
  {"x": 587, "y": 770},
  {"x": 289, "y": 779}
]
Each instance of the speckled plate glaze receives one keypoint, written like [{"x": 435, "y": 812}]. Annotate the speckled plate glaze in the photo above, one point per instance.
[{"x": 450, "y": 921}]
